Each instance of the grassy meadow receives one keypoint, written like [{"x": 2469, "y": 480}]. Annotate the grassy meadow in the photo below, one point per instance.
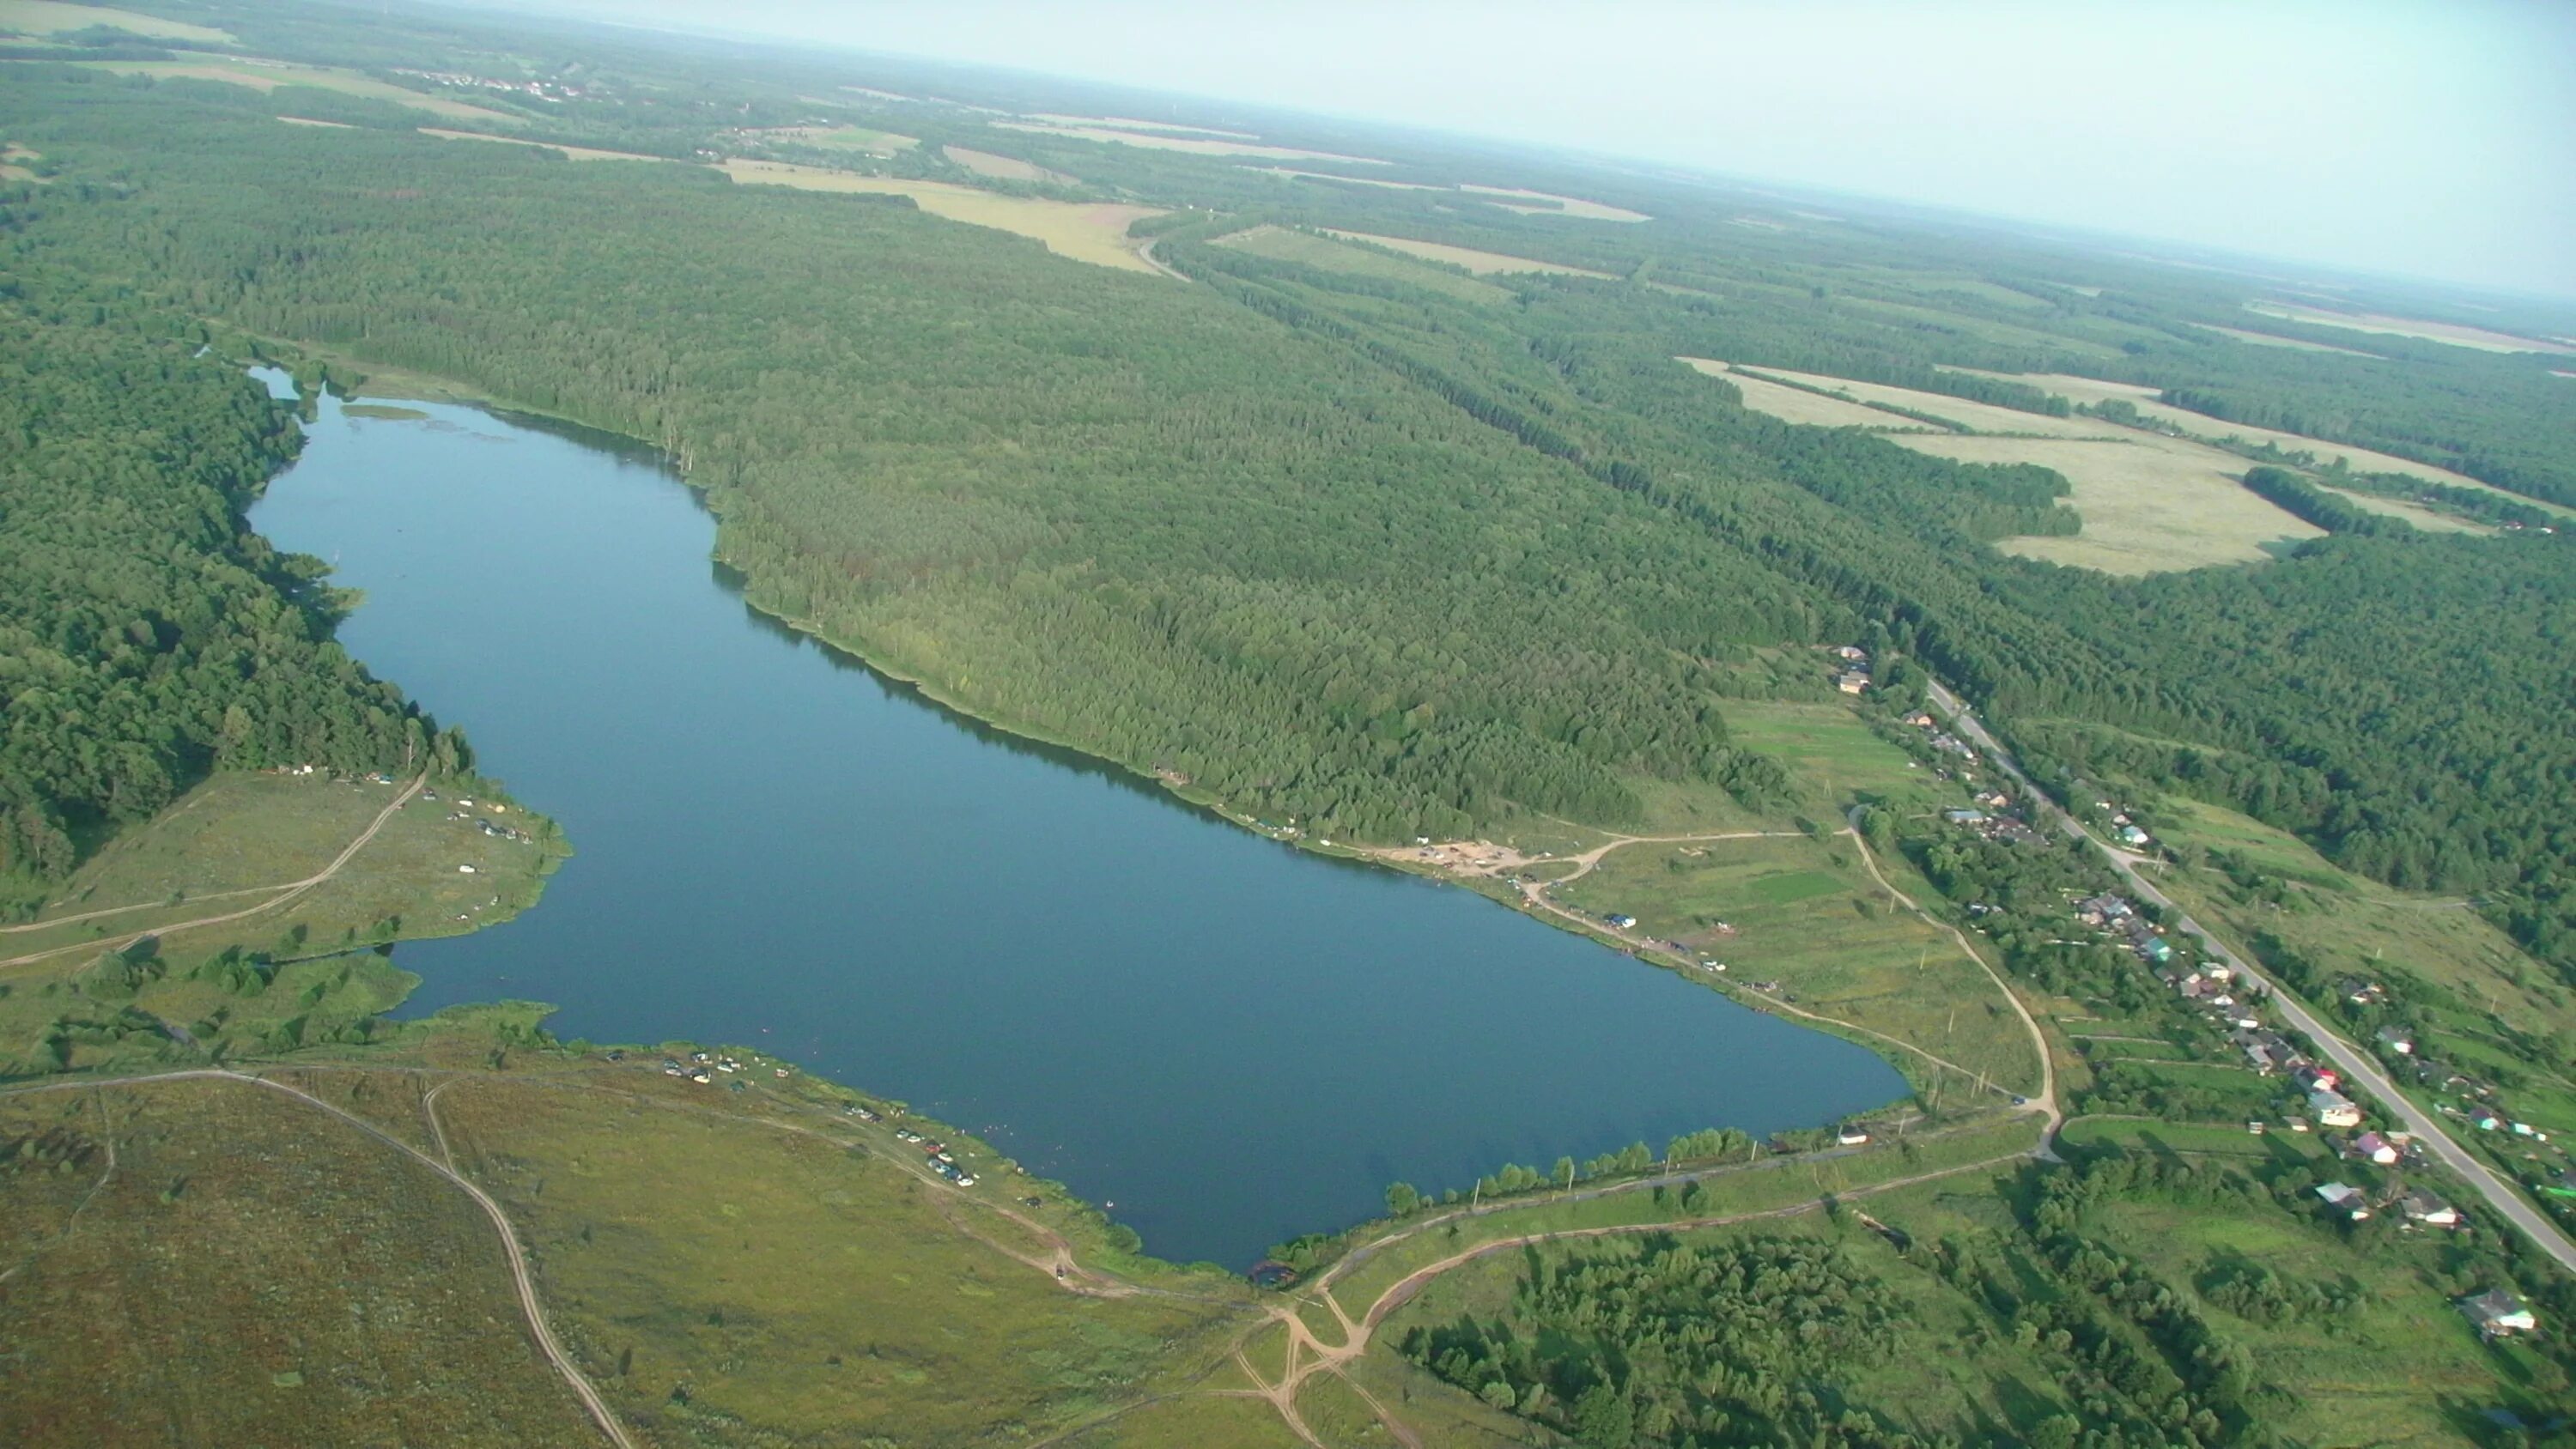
[{"x": 52, "y": 17}]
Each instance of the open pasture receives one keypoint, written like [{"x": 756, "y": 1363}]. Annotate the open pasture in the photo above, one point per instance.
[
  {"x": 1082, "y": 231},
  {"x": 2456, "y": 334},
  {"x": 1307, "y": 249},
  {"x": 1544, "y": 203},
  {"x": 1797, "y": 405},
  {"x": 49, "y": 17},
  {"x": 571, "y": 153},
  {"x": 269, "y": 75},
  {"x": 1187, "y": 145},
  {"x": 1483, "y": 264}
]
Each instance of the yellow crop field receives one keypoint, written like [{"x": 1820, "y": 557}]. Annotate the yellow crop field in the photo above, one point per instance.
[
  {"x": 1154, "y": 141},
  {"x": 1084, "y": 231},
  {"x": 48, "y": 17},
  {"x": 2454, "y": 333},
  {"x": 2149, "y": 505},
  {"x": 1000, "y": 168},
  {"x": 1481, "y": 263},
  {"x": 268, "y": 75},
  {"x": 1796, "y": 405},
  {"x": 575, "y": 153}
]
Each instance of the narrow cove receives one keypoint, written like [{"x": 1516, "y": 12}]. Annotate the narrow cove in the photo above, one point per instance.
[{"x": 1222, "y": 1040}]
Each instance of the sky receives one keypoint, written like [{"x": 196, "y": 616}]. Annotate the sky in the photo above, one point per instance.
[{"x": 2421, "y": 138}]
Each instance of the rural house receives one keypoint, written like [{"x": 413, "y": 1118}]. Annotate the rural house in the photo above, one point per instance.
[{"x": 2496, "y": 1313}]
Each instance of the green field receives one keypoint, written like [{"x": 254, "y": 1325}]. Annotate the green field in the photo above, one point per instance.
[{"x": 1806, "y": 915}]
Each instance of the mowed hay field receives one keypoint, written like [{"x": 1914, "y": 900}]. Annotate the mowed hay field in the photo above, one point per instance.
[
  {"x": 1797, "y": 405},
  {"x": 1084, "y": 232},
  {"x": 1307, "y": 249},
  {"x": 1483, "y": 264},
  {"x": 210, "y": 1262},
  {"x": 574, "y": 153},
  {"x": 2455, "y": 333},
  {"x": 268, "y": 75},
  {"x": 49, "y": 17},
  {"x": 845, "y": 138},
  {"x": 1544, "y": 203}
]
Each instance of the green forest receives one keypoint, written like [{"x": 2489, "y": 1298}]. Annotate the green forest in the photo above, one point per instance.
[
  {"x": 148, "y": 637},
  {"x": 1338, "y": 549}
]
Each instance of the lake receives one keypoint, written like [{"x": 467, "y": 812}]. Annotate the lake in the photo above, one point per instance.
[{"x": 1222, "y": 1040}]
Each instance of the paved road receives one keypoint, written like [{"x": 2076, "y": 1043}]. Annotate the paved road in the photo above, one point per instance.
[{"x": 2358, "y": 1067}]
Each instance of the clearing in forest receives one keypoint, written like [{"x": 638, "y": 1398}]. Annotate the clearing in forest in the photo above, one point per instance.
[
  {"x": 2094, "y": 391},
  {"x": 2266, "y": 339},
  {"x": 1545, "y": 203},
  {"x": 2149, "y": 505},
  {"x": 1190, "y": 145},
  {"x": 573, "y": 153},
  {"x": 268, "y": 75},
  {"x": 1000, "y": 168},
  {"x": 12, "y": 167},
  {"x": 2455, "y": 333},
  {"x": 1307, "y": 249},
  {"x": 1094, "y": 232},
  {"x": 1481, "y": 263},
  {"x": 1797, "y": 405},
  {"x": 843, "y": 138},
  {"x": 49, "y": 17}
]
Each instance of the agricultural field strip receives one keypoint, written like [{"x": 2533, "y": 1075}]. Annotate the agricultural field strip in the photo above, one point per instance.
[
  {"x": 2451, "y": 333},
  {"x": 2345, "y": 1055},
  {"x": 291, "y": 889},
  {"x": 1481, "y": 263},
  {"x": 521, "y": 1277}
]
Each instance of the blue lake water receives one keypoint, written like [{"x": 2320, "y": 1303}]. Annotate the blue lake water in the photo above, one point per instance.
[{"x": 1222, "y": 1039}]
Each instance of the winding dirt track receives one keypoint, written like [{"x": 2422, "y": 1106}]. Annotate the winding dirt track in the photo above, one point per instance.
[{"x": 288, "y": 892}]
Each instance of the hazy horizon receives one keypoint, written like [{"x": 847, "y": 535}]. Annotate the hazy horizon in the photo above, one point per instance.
[{"x": 2435, "y": 141}]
